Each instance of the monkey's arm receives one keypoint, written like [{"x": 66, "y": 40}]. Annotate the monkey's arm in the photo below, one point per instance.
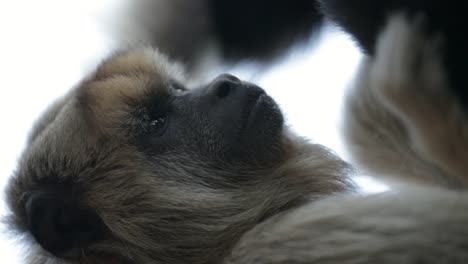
[
  {"x": 255, "y": 30},
  {"x": 402, "y": 119},
  {"x": 384, "y": 228},
  {"x": 365, "y": 19}
]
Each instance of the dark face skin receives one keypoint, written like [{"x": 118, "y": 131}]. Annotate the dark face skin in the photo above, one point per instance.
[
  {"x": 132, "y": 159},
  {"x": 226, "y": 120}
]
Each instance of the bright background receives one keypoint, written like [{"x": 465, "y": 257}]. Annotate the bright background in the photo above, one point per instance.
[{"x": 48, "y": 45}]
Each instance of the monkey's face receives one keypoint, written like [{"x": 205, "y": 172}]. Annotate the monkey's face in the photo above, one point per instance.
[{"x": 132, "y": 165}]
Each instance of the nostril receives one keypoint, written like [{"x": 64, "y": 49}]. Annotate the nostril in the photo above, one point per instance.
[
  {"x": 223, "y": 89},
  {"x": 224, "y": 85}
]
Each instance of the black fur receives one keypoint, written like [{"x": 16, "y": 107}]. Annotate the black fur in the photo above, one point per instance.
[
  {"x": 261, "y": 29},
  {"x": 364, "y": 19}
]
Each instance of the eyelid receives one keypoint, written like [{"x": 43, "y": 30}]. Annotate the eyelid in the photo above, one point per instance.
[{"x": 160, "y": 106}]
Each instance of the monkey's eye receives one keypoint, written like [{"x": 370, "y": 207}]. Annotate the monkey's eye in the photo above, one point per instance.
[
  {"x": 156, "y": 116},
  {"x": 158, "y": 124}
]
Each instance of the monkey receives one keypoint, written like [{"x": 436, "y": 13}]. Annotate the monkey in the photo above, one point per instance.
[
  {"x": 236, "y": 31},
  {"x": 264, "y": 31},
  {"x": 132, "y": 166},
  {"x": 404, "y": 125},
  {"x": 364, "y": 19},
  {"x": 405, "y": 135}
]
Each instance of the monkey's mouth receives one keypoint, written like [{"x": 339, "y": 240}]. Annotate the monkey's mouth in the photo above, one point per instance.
[
  {"x": 259, "y": 110},
  {"x": 260, "y": 128},
  {"x": 255, "y": 95},
  {"x": 255, "y": 107}
]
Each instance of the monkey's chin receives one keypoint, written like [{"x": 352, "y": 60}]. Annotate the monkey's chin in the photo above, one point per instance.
[
  {"x": 263, "y": 127},
  {"x": 264, "y": 113}
]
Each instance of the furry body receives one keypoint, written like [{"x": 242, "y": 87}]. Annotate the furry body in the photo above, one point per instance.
[
  {"x": 396, "y": 99},
  {"x": 181, "y": 197},
  {"x": 202, "y": 199}
]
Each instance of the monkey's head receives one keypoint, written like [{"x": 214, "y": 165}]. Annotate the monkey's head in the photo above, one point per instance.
[{"x": 132, "y": 166}]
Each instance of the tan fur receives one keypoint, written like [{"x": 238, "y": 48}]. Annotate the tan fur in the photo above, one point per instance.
[
  {"x": 417, "y": 93},
  {"x": 413, "y": 225},
  {"x": 403, "y": 126},
  {"x": 403, "y": 122},
  {"x": 85, "y": 147},
  {"x": 181, "y": 209},
  {"x": 127, "y": 76}
]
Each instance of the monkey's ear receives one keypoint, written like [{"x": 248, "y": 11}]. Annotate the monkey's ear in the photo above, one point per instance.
[{"x": 60, "y": 225}]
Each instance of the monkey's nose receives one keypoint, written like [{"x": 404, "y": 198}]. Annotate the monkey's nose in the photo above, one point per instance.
[
  {"x": 59, "y": 225},
  {"x": 224, "y": 85}
]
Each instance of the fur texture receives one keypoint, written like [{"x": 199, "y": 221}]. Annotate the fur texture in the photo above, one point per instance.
[
  {"x": 403, "y": 125},
  {"x": 258, "y": 30},
  {"x": 414, "y": 225},
  {"x": 177, "y": 206},
  {"x": 365, "y": 19},
  {"x": 404, "y": 113},
  {"x": 185, "y": 199}
]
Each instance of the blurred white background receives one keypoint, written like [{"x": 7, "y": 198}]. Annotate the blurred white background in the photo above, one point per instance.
[{"x": 48, "y": 45}]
